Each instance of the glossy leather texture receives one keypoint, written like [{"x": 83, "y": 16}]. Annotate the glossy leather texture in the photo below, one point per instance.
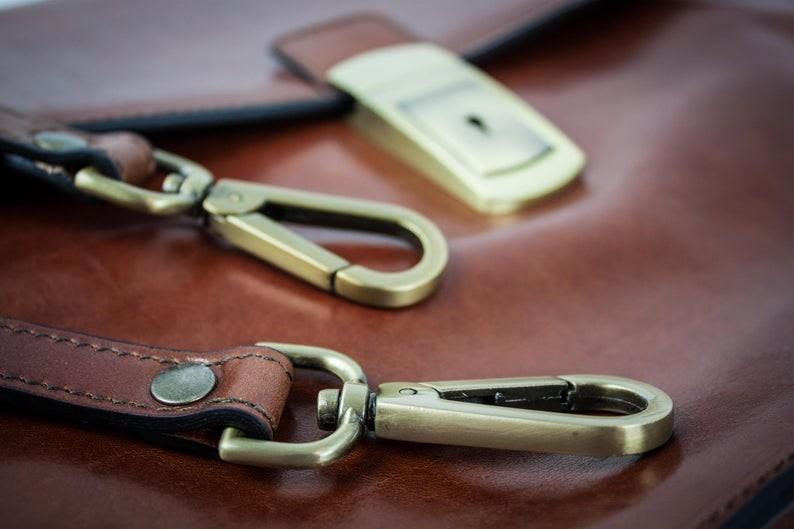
[
  {"x": 671, "y": 262},
  {"x": 102, "y": 381},
  {"x": 312, "y": 51},
  {"x": 149, "y": 65}
]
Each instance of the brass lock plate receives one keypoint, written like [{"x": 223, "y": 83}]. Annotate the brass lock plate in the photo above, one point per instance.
[{"x": 457, "y": 125}]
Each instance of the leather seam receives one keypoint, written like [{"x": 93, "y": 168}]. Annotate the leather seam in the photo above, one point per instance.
[
  {"x": 133, "y": 404},
  {"x": 133, "y": 354},
  {"x": 717, "y": 516}
]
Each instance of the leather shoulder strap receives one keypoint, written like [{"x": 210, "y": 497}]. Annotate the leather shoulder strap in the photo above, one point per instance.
[
  {"x": 311, "y": 51},
  {"x": 52, "y": 151},
  {"x": 99, "y": 380}
]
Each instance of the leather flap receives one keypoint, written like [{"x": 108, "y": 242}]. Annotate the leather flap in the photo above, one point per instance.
[{"x": 147, "y": 65}]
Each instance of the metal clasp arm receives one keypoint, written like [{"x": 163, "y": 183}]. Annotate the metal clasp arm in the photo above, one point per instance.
[
  {"x": 533, "y": 414},
  {"x": 248, "y": 215}
]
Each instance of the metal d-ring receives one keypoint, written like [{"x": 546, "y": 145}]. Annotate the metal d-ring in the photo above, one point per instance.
[
  {"x": 235, "y": 447},
  {"x": 194, "y": 180}
]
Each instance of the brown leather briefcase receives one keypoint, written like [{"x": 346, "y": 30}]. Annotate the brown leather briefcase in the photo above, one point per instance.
[{"x": 669, "y": 260}]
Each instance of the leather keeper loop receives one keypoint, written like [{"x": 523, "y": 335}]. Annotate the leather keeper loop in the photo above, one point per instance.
[{"x": 51, "y": 151}]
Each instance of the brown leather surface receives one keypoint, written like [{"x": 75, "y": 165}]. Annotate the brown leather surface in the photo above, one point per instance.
[
  {"x": 120, "y": 155},
  {"x": 312, "y": 51},
  {"x": 93, "y": 61},
  {"x": 92, "y": 378},
  {"x": 670, "y": 262}
]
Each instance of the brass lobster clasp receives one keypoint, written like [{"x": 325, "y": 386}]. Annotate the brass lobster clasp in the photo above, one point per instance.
[
  {"x": 249, "y": 216},
  {"x": 537, "y": 414},
  {"x": 541, "y": 414}
]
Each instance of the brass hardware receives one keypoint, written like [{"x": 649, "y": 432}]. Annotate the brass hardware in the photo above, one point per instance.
[
  {"x": 194, "y": 180},
  {"x": 235, "y": 447},
  {"x": 183, "y": 384},
  {"x": 531, "y": 414},
  {"x": 247, "y": 214},
  {"x": 241, "y": 212},
  {"x": 457, "y": 125}
]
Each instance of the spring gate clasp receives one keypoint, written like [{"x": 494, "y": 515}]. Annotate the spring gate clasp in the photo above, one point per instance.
[
  {"x": 539, "y": 414},
  {"x": 250, "y": 217}
]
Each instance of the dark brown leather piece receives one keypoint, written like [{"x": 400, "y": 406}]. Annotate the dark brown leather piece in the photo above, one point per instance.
[
  {"x": 312, "y": 51},
  {"x": 120, "y": 155},
  {"x": 98, "y": 380},
  {"x": 670, "y": 262},
  {"x": 194, "y": 62}
]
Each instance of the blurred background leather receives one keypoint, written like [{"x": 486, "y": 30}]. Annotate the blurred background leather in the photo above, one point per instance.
[
  {"x": 671, "y": 261},
  {"x": 148, "y": 64}
]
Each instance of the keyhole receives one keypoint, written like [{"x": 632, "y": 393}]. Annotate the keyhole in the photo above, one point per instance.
[{"x": 478, "y": 123}]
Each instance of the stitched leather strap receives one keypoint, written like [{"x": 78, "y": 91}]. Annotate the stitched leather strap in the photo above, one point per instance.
[
  {"x": 103, "y": 381},
  {"x": 312, "y": 51},
  {"x": 52, "y": 151}
]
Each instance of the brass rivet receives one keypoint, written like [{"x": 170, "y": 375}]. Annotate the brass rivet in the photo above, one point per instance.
[
  {"x": 183, "y": 384},
  {"x": 59, "y": 141}
]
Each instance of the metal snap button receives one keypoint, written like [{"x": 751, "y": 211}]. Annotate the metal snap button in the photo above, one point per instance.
[
  {"x": 59, "y": 141},
  {"x": 183, "y": 384}
]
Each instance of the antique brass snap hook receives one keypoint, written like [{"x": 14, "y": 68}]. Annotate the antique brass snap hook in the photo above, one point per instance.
[
  {"x": 536, "y": 414},
  {"x": 248, "y": 215},
  {"x": 243, "y": 213}
]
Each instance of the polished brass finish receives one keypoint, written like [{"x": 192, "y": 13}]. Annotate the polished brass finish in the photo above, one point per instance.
[
  {"x": 183, "y": 384},
  {"x": 235, "y": 447},
  {"x": 248, "y": 216},
  {"x": 458, "y": 126},
  {"x": 242, "y": 213},
  {"x": 194, "y": 181},
  {"x": 533, "y": 413},
  {"x": 321, "y": 359}
]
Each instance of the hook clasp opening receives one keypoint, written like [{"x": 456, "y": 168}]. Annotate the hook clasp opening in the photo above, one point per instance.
[
  {"x": 535, "y": 414},
  {"x": 249, "y": 216}
]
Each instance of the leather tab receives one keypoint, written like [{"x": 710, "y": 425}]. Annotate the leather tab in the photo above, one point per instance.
[
  {"x": 312, "y": 51},
  {"x": 53, "y": 151},
  {"x": 99, "y": 380}
]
